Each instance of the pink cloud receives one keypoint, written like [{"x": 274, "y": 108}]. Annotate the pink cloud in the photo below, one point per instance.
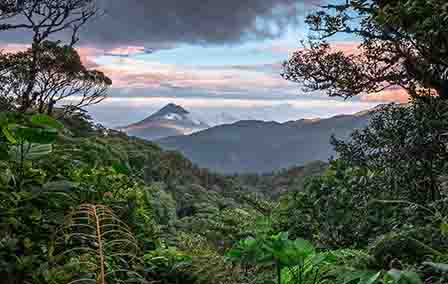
[
  {"x": 128, "y": 73},
  {"x": 283, "y": 49},
  {"x": 127, "y": 50},
  {"x": 346, "y": 47},
  {"x": 88, "y": 55},
  {"x": 393, "y": 94},
  {"x": 13, "y": 48}
]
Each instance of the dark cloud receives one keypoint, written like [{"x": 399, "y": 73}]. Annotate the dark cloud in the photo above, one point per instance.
[
  {"x": 161, "y": 24},
  {"x": 192, "y": 21}
]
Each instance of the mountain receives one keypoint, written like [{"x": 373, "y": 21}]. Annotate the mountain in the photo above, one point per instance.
[
  {"x": 258, "y": 146},
  {"x": 171, "y": 120}
]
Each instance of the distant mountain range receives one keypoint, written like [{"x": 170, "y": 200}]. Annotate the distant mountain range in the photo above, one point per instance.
[
  {"x": 171, "y": 120},
  {"x": 245, "y": 146},
  {"x": 260, "y": 146}
]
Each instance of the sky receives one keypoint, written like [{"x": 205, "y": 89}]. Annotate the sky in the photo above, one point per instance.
[{"x": 221, "y": 60}]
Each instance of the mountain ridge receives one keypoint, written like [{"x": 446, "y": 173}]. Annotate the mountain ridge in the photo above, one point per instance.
[{"x": 256, "y": 146}]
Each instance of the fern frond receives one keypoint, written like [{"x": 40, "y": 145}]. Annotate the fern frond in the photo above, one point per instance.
[{"x": 101, "y": 244}]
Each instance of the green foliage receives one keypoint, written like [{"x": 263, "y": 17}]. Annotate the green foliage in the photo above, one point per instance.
[
  {"x": 296, "y": 261},
  {"x": 405, "y": 146},
  {"x": 277, "y": 183},
  {"x": 48, "y": 73},
  {"x": 155, "y": 195},
  {"x": 401, "y": 44},
  {"x": 183, "y": 219},
  {"x": 402, "y": 245},
  {"x": 405, "y": 277},
  {"x": 331, "y": 207},
  {"x": 209, "y": 266},
  {"x": 168, "y": 265},
  {"x": 46, "y": 121}
]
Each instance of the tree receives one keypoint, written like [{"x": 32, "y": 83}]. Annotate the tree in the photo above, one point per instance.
[
  {"x": 403, "y": 43},
  {"x": 43, "y": 18},
  {"x": 9, "y": 9},
  {"x": 406, "y": 145},
  {"x": 46, "y": 17},
  {"x": 59, "y": 77}
]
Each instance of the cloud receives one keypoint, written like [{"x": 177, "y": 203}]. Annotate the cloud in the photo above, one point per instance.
[
  {"x": 13, "y": 48},
  {"x": 346, "y": 47},
  {"x": 132, "y": 74},
  {"x": 151, "y": 23},
  {"x": 136, "y": 76},
  {"x": 288, "y": 49},
  {"x": 161, "y": 23},
  {"x": 393, "y": 94},
  {"x": 88, "y": 55}
]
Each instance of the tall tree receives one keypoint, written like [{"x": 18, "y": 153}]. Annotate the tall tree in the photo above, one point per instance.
[
  {"x": 402, "y": 43},
  {"x": 43, "y": 18},
  {"x": 60, "y": 78}
]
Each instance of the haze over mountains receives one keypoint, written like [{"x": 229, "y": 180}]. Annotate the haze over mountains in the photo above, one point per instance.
[{"x": 246, "y": 146}]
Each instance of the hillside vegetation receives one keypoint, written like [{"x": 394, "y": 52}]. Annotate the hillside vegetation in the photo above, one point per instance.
[
  {"x": 54, "y": 181},
  {"x": 262, "y": 147},
  {"x": 83, "y": 204}
]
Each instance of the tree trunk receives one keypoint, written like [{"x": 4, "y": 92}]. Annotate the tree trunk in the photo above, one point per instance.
[
  {"x": 279, "y": 272},
  {"x": 25, "y": 99}
]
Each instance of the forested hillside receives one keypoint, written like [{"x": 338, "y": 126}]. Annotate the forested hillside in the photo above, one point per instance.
[
  {"x": 261, "y": 146},
  {"x": 277, "y": 183},
  {"x": 56, "y": 182},
  {"x": 80, "y": 203}
]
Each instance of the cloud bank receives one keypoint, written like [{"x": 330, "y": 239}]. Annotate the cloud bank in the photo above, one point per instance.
[
  {"x": 162, "y": 22},
  {"x": 119, "y": 111}
]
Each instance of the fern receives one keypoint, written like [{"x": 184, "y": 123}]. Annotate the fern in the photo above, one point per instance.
[{"x": 99, "y": 245}]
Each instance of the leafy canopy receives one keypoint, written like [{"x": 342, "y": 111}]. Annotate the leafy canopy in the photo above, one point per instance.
[{"x": 403, "y": 43}]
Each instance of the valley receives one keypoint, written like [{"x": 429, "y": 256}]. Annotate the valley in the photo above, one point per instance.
[{"x": 235, "y": 179}]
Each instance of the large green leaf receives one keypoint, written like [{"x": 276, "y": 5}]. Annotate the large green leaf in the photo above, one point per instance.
[
  {"x": 370, "y": 279},
  {"x": 38, "y": 151},
  {"x": 121, "y": 169},
  {"x": 5, "y": 175},
  {"x": 402, "y": 277},
  {"x": 30, "y": 151},
  {"x": 246, "y": 251},
  {"x": 46, "y": 121},
  {"x": 442, "y": 267},
  {"x": 36, "y": 135},
  {"x": 296, "y": 252},
  {"x": 9, "y": 136},
  {"x": 358, "y": 277}
]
